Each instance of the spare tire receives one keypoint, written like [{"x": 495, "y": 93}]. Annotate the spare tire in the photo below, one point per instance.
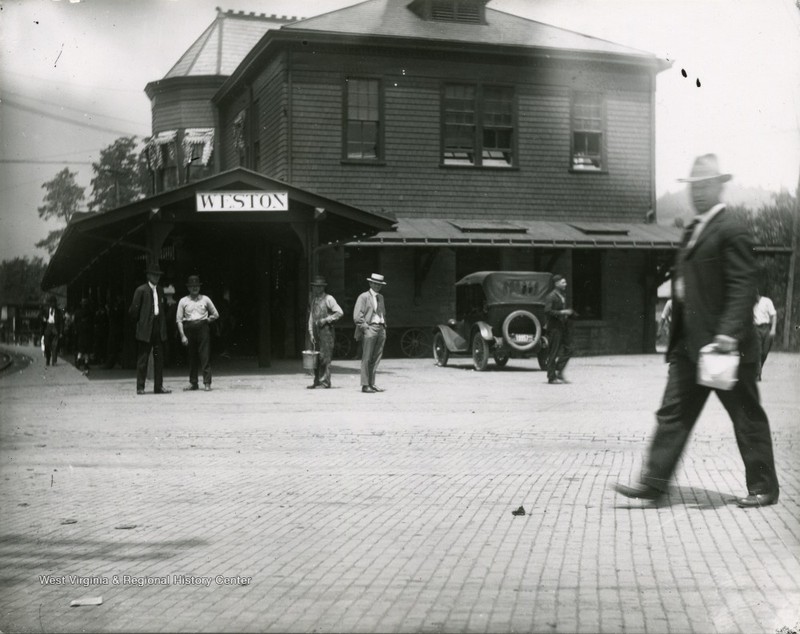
[{"x": 510, "y": 330}]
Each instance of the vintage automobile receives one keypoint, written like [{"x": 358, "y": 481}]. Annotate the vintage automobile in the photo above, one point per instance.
[{"x": 499, "y": 314}]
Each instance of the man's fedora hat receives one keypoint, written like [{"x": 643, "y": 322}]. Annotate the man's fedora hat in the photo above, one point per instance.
[
  {"x": 193, "y": 280},
  {"x": 318, "y": 280},
  {"x": 377, "y": 278},
  {"x": 706, "y": 168},
  {"x": 153, "y": 269}
]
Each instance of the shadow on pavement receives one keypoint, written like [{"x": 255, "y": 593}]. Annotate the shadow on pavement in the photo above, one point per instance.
[{"x": 691, "y": 497}]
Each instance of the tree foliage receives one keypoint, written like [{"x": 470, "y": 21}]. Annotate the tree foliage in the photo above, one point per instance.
[
  {"x": 120, "y": 176},
  {"x": 774, "y": 225},
  {"x": 20, "y": 280},
  {"x": 61, "y": 200}
]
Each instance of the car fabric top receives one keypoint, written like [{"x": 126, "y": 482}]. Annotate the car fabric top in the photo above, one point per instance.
[{"x": 511, "y": 287}]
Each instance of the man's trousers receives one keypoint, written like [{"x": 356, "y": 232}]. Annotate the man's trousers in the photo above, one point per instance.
[
  {"x": 372, "y": 351},
  {"x": 681, "y": 406}
]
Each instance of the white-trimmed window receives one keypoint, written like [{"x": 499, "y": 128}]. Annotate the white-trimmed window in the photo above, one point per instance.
[
  {"x": 478, "y": 125},
  {"x": 363, "y": 108},
  {"x": 588, "y": 132}
]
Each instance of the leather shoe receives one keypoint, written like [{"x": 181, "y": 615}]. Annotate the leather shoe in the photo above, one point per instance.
[
  {"x": 313, "y": 386},
  {"x": 140, "y": 392},
  {"x": 375, "y": 388},
  {"x": 555, "y": 381},
  {"x": 207, "y": 387},
  {"x": 638, "y": 491},
  {"x": 191, "y": 388},
  {"x": 366, "y": 389},
  {"x": 755, "y": 500},
  {"x": 164, "y": 390}
]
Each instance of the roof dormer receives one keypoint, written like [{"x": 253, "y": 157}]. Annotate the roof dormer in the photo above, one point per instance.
[{"x": 459, "y": 11}]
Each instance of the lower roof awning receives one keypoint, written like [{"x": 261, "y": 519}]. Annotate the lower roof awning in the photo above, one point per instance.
[{"x": 525, "y": 233}]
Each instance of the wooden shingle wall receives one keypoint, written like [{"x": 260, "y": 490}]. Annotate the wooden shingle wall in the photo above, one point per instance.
[{"x": 412, "y": 182}]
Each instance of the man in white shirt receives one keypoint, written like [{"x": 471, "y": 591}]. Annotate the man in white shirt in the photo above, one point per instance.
[
  {"x": 766, "y": 321},
  {"x": 369, "y": 316},
  {"x": 195, "y": 313},
  {"x": 52, "y": 324}
]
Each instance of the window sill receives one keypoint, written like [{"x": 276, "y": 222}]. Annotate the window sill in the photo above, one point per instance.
[
  {"x": 365, "y": 162},
  {"x": 590, "y": 172},
  {"x": 491, "y": 168}
]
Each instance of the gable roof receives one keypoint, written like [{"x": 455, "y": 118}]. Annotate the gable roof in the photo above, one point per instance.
[
  {"x": 394, "y": 18},
  {"x": 225, "y": 43}
]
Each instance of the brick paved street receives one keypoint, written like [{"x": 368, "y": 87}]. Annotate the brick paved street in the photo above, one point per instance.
[{"x": 336, "y": 511}]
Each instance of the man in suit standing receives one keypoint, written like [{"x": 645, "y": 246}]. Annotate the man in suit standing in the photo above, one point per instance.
[
  {"x": 714, "y": 288},
  {"x": 148, "y": 310},
  {"x": 558, "y": 330},
  {"x": 52, "y": 325},
  {"x": 369, "y": 316}
]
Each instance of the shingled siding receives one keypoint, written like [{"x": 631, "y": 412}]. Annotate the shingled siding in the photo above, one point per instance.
[
  {"x": 271, "y": 90},
  {"x": 182, "y": 108},
  {"x": 412, "y": 183}
]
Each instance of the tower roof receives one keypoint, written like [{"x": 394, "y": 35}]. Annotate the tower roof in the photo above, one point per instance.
[{"x": 224, "y": 44}]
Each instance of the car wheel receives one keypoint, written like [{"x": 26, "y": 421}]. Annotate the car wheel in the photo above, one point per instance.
[
  {"x": 543, "y": 353},
  {"x": 501, "y": 358},
  {"x": 440, "y": 352},
  {"x": 412, "y": 343},
  {"x": 480, "y": 352},
  {"x": 517, "y": 324},
  {"x": 341, "y": 345}
]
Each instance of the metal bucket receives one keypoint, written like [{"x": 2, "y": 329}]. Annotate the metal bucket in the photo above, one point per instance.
[{"x": 310, "y": 359}]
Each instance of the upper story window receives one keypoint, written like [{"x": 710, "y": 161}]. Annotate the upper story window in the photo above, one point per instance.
[
  {"x": 478, "y": 125},
  {"x": 363, "y": 113},
  {"x": 239, "y": 136},
  {"x": 588, "y": 125}
]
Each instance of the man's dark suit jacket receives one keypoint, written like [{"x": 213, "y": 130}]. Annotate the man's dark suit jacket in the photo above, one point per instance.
[
  {"x": 719, "y": 279},
  {"x": 552, "y": 304},
  {"x": 141, "y": 312}
]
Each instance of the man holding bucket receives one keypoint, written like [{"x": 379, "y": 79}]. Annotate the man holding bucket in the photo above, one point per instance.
[{"x": 323, "y": 311}]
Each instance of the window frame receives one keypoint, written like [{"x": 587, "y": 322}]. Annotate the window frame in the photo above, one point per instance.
[
  {"x": 380, "y": 151},
  {"x": 602, "y": 130},
  {"x": 481, "y": 126}
]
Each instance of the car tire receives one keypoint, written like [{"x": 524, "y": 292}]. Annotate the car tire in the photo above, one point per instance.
[
  {"x": 440, "y": 352},
  {"x": 536, "y": 326},
  {"x": 480, "y": 352}
]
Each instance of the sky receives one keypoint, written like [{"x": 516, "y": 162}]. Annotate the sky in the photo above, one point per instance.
[{"x": 72, "y": 78}]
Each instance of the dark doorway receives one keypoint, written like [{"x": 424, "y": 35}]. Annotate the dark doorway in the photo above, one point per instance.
[{"x": 250, "y": 271}]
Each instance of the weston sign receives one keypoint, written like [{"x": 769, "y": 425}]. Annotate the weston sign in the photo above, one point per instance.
[{"x": 242, "y": 201}]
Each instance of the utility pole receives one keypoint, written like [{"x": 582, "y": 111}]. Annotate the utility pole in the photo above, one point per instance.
[{"x": 788, "y": 313}]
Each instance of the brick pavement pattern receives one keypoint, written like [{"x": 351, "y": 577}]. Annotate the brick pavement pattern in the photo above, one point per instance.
[{"x": 266, "y": 507}]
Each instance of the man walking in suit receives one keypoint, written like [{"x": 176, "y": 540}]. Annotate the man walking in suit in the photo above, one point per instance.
[
  {"x": 369, "y": 316},
  {"x": 148, "y": 310},
  {"x": 559, "y": 331},
  {"x": 714, "y": 289},
  {"x": 52, "y": 325}
]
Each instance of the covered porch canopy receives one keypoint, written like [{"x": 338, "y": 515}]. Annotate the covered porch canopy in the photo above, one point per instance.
[{"x": 142, "y": 226}]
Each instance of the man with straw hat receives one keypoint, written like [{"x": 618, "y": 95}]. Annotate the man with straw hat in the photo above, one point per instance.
[
  {"x": 714, "y": 288},
  {"x": 322, "y": 313},
  {"x": 369, "y": 316}
]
